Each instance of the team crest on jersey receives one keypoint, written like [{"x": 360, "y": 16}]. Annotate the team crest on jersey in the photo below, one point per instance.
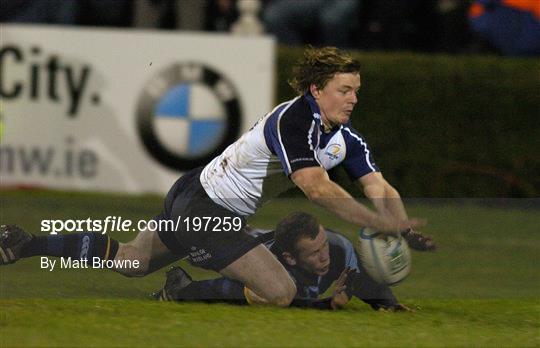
[{"x": 333, "y": 151}]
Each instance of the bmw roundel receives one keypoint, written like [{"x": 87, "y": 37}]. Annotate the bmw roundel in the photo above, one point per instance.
[{"x": 188, "y": 114}]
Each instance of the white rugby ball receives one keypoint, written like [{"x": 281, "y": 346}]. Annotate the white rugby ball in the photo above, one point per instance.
[{"x": 387, "y": 259}]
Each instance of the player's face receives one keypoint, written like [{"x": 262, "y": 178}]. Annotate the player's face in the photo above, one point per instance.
[
  {"x": 314, "y": 254},
  {"x": 337, "y": 99}
]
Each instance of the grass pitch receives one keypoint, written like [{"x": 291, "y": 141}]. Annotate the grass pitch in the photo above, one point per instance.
[{"x": 481, "y": 288}]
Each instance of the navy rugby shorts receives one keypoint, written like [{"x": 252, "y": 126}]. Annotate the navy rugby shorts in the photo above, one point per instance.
[{"x": 213, "y": 245}]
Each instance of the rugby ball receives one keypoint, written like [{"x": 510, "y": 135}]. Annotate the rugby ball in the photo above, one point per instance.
[{"x": 387, "y": 259}]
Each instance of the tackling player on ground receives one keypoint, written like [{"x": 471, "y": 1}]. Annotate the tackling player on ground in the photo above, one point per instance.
[
  {"x": 315, "y": 258},
  {"x": 294, "y": 144}
]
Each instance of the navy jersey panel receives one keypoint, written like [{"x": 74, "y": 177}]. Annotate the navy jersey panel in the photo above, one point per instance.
[
  {"x": 291, "y": 133},
  {"x": 270, "y": 131}
]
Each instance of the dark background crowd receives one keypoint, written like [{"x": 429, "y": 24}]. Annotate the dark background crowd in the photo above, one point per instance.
[{"x": 507, "y": 27}]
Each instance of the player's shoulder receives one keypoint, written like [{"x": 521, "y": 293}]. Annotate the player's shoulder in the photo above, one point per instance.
[
  {"x": 342, "y": 252},
  {"x": 291, "y": 114},
  {"x": 338, "y": 241},
  {"x": 297, "y": 112},
  {"x": 350, "y": 134}
]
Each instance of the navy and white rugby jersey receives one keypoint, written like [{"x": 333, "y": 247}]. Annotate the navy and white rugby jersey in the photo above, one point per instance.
[{"x": 256, "y": 167}]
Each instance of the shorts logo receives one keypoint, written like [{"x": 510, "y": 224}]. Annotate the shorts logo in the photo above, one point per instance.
[
  {"x": 199, "y": 255},
  {"x": 332, "y": 151},
  {"x": 187, "y": 114}
]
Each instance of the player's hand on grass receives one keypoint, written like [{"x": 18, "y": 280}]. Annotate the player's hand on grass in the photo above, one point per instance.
[
  {"x": 401, "y": 308},
  {"x": 396, "y": 308},
  {"x": 339, "y": 296}
]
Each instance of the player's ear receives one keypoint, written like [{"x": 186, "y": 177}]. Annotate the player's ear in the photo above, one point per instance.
[
  {"x": 315, "y": 91},
  {"x": 289, "y": 258}
]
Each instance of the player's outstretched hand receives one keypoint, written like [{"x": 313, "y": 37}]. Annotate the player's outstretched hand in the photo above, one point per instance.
[
  {"x": 417, "y": 241},
  {"x": 387, "y": 223}
]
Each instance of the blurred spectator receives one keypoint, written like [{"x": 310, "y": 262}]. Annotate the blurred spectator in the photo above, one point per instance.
[
  {"x": 190, "y": 14},
  {"x": 169, "y": 14},
  {"x": 220, "y": 15},
  {"x": 512, "y": 26},
  {"x": 389, "y": 24},
  {"x": 147, "y": 13},
  {"x": 162, "y": 14},
  {"x": 454, "y": 33},
  {"x": 112, "y": 13},
  {"x": 423, "y": 25},
  {"x": 106, "y": 13},
  {"x": 39, "y": 11},
  {"x": 325, "y": 22}
]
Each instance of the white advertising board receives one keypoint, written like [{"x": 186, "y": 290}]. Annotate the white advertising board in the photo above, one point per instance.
[{"x": 124, "y": 111}]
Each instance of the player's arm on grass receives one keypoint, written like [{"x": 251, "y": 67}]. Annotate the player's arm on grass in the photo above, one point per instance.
[
  {"x": 358, "y": 283},
  {"x": 318, "y": 187},
  {"x": 378, "y": 296}
]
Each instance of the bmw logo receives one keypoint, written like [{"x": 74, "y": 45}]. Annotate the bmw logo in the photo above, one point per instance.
[{"x": 188, "y": 114}]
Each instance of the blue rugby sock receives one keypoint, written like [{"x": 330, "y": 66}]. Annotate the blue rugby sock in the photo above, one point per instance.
[
  {"x": 219, "y": 289},
  {"x": 77, "y": 246}
]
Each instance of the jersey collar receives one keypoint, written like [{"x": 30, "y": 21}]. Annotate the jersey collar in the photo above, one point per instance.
[
  {"x": 313, "y": 106},
  {"x": 317, "y": 112}
]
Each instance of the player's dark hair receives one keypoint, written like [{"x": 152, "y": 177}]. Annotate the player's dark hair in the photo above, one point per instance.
[
  {"x": 319, "y": 65},
  {"x": 294, "y": 227}
]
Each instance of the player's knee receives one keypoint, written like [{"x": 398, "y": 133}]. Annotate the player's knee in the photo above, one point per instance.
[
  {"x": 133, "y": 264},
  {"x": 290, "y": 292},
  {"x": 138, "y": 269},
  {"x": 284, "y": 294},
  {"x": 282, "y": 301}
]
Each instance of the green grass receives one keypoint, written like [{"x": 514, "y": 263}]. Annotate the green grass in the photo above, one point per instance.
[
  {"x": 130, "y": 322},
  {"x": 481, "y": 288}
]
